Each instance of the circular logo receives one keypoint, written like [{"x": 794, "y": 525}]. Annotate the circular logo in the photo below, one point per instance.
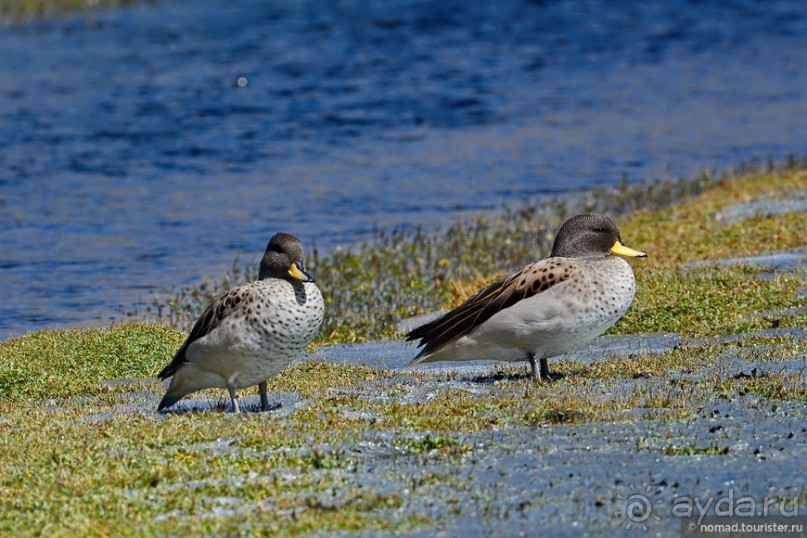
[{"x": 639, "y": 506}]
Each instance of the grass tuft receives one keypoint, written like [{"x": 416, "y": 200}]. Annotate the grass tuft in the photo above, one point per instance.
[{"x": 75, "y": 362}]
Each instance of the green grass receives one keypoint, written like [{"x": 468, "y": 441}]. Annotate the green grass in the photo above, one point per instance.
[
  {"x": 264, "y": 473},
  {"x": 16, "y": 10},
  {"x": 708, "y": 302},
  {"x": 691, "y": 450},
  {"x": 93, "y": 478},
  {"x": 81, "y": 477},
  {"x": 74, "y": 362},
  {"x": 788, "y": 387}
]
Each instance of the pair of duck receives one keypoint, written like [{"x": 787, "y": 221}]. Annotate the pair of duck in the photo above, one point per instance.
[{"x": 551, "y": 307}]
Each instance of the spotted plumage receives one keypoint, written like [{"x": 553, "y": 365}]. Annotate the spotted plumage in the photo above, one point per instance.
[
  {"x": 553, "y": 306},
  {"x": 250, "y": 332}
]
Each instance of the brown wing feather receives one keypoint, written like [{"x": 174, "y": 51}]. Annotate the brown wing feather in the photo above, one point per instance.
[
  {"x": 529, "y": 281},
  {"x": 208, "y": 321}
]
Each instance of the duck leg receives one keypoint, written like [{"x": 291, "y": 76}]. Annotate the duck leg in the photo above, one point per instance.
[
  {"x": 231, "y": 390},
  {"x": 543, "y": 373},
  {"x": 264, "y": 397}
]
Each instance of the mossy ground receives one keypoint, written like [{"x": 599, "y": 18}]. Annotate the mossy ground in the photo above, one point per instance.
[{"x": 74, "y": 461}]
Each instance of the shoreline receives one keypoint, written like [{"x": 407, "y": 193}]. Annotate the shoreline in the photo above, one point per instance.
[
  {"x": 181, "y": 307},
  {"x": 518, "y": 234}
]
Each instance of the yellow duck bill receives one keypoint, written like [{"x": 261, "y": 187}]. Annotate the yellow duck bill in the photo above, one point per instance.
[
  {"x": 622, "y": 250},
  {"x": 296, "y": 271}
]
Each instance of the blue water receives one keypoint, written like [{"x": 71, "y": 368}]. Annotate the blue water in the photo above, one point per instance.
[{"x": 133, "y": 160}]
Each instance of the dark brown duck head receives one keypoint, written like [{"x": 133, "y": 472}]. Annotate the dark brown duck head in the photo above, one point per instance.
[
  {"x": 284, "y": 259},
  {"x": 590, "y": 235}
]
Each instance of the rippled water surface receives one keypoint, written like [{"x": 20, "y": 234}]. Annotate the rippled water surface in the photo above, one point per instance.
[{"x": 144, "y": 148}]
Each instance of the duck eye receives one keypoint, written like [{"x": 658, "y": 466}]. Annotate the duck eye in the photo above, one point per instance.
[
  {"x": 274, "y": 247},
  {"x": 600, "y": 229}
]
